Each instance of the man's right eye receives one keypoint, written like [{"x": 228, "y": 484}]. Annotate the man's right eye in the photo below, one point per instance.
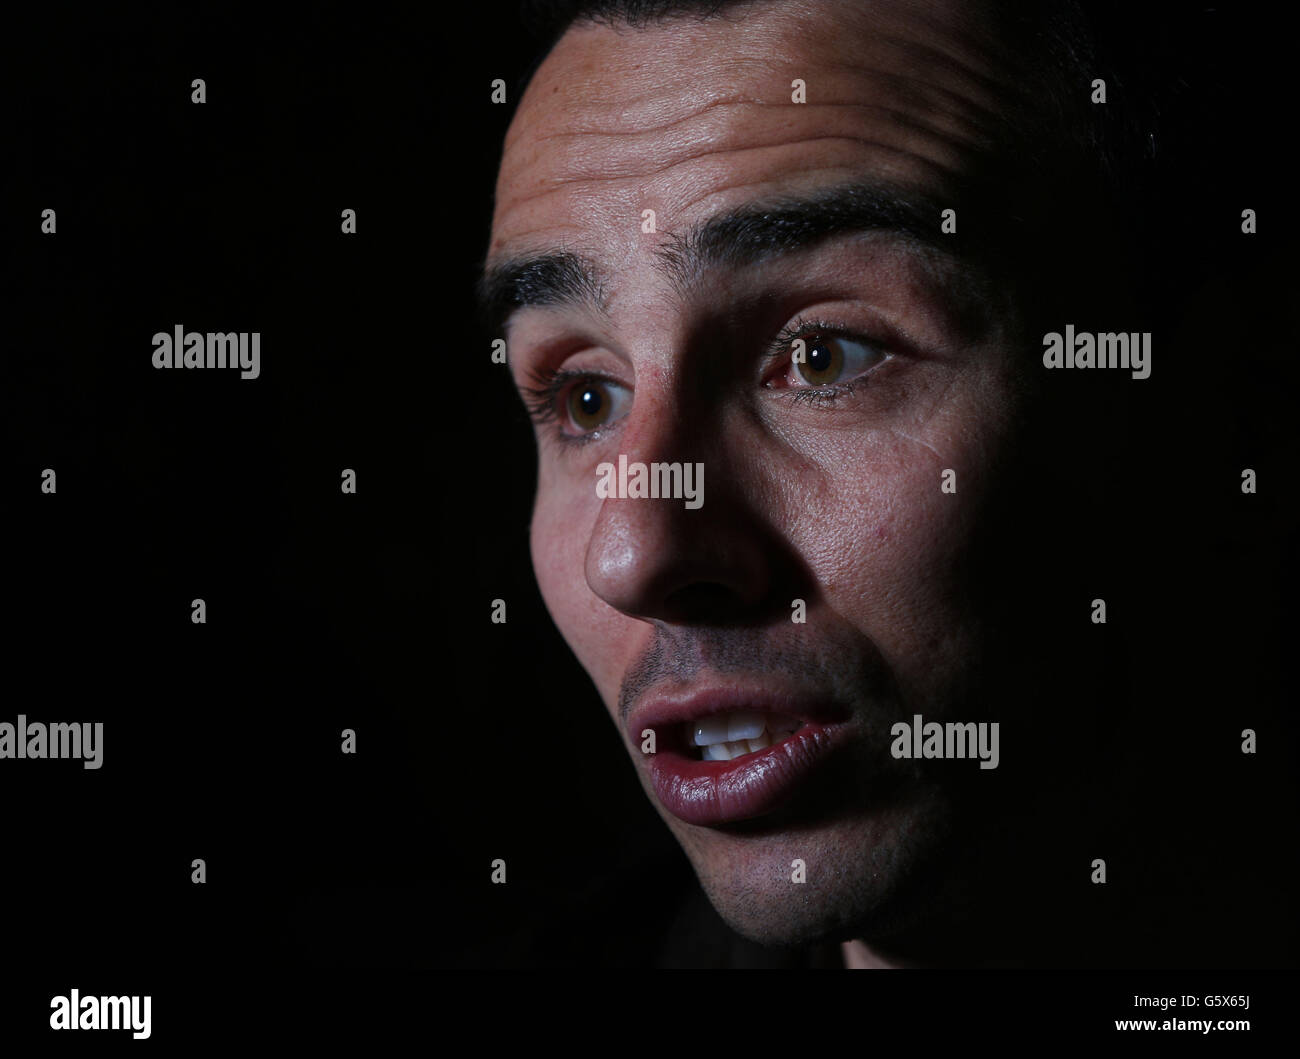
[{"x": 581, "y": 404}]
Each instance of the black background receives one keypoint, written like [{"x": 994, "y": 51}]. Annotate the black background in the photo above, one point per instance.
[
  {"x": 325, "y": 611},
  {"x": 371, "y": 611}
]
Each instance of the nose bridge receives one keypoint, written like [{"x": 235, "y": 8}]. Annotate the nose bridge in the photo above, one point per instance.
[
  {"x": 683, "y": 543},
  {"x": 657, "y": 447},
  {"x": 676, "y": 386},
  {"x": 659, "y": 427}
]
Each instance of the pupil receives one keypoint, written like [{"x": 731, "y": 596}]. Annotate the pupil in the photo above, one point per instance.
[
  {"x": 589, "y": 401},
  {"x": 819, "y": 358}
]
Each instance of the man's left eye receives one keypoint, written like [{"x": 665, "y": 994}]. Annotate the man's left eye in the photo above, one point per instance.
[{"x": 821, "y": 360}]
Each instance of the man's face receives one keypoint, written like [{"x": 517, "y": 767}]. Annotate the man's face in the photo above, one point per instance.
[{"x": 823, "y": 479}]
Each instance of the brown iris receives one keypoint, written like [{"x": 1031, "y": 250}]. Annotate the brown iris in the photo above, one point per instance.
[
  {"x": 823, "y": 362},
  {"x": 589, "y": 405}
]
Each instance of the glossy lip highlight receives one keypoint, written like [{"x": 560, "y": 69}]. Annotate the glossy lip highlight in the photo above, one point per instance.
[{"x": 711, "y": 793}]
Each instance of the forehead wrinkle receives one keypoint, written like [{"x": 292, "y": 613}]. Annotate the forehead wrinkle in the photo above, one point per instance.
[
  {"x": 915, "y": 88},
  {"x": 977, "y": 120},
  {"x": 909, "y": 100},
  {"x": 927, "y": 53},
  {"x": 944, "y": 140},
  {"x": 943, "y": 169},
  {"x": 973, "y": 60}
]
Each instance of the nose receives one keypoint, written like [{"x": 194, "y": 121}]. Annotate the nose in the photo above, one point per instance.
[{"x": 657, "y": 559}]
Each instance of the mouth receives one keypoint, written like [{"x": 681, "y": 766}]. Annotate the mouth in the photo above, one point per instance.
[
  {"x": 727, "y": 755},
  {"x": 727, "y": 736}
]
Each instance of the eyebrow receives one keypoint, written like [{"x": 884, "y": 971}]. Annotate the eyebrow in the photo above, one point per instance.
[
  {"x": 744, "y": 236},
  {"x": 557, "y": 278}
]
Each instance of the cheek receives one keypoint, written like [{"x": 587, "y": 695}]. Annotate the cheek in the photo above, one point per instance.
[
  {"x": 557, "y": 561},
  {"x": 558, "y": 539},
  {"x": 887, "y": 545},
  {"x": 893, "y": 546}
]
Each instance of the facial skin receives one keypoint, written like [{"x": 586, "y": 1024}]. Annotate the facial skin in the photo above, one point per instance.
[{"x": 834, "y": 500}]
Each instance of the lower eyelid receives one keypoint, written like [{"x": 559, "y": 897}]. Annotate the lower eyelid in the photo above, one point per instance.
[{"x": 823, "y": 393}]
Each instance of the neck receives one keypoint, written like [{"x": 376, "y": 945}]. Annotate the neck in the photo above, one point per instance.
[{"x": 858, "y": 956}]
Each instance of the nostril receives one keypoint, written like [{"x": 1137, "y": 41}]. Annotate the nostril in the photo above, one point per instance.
[
  {"x": 656, "y": 560},
  {"x": 707, "y": 603}
]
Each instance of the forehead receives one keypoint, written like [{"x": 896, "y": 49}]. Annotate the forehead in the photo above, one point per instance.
[{"x": 691, "y": 116}]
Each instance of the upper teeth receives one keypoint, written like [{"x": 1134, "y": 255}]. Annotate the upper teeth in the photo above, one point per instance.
[{"x": 728, "y": 735}]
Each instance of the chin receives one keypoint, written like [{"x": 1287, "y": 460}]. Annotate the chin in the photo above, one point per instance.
[{"x": 861, "y": 878}]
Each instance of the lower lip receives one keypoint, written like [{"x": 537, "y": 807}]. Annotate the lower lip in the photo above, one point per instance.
[{"x": 710, "y": 793}]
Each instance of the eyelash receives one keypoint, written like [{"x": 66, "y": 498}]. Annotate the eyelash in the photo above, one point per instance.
[
  {"x": 804, "y": 328},
  {"x": 549, "y": 384}
]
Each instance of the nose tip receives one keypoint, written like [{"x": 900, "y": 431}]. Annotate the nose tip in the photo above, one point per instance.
[{"x": 658, "y": 559}]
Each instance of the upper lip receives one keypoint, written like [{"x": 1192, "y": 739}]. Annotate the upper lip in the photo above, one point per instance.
[{"x": 664, "y": 710}]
